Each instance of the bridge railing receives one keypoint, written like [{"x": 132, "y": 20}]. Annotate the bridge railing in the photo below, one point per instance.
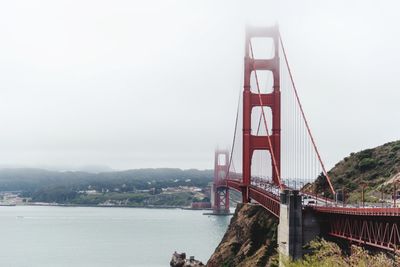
[
  {"x": 369, "y": 211},
  {"x": 266, "y": 185}
]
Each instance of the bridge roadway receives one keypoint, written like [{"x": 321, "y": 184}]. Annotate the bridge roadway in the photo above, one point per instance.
[{"x": 377, "y": 227}]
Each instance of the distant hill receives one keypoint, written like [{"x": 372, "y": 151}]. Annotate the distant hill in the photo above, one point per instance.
[
  {"x": 29, "y": 180},
  {"x": 376, "y": 167},
  {"x": 56, "y": 168}
]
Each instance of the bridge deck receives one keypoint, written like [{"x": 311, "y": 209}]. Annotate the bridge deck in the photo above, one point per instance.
[
  {"x": 268, "y": 200},
  {"x": 374, "y": 226}
]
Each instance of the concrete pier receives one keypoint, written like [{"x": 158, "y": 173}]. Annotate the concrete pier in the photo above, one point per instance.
[{"x": 290, "y": 228}]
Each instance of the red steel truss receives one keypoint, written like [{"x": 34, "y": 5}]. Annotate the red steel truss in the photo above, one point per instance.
[
  {"x": 266, "y": 199},
  {"x": 221, "y": 200},
  {"x": 376, "y": 227},
  {"x": 387, "y": 212},
  {"x": 376, "y": 231}
]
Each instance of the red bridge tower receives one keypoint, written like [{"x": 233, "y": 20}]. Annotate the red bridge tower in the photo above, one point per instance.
[
  {"x": 271, "y": 143},
  {"x": 220, "y": 188}
]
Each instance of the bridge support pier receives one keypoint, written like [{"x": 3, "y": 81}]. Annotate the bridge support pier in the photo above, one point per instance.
[
  {"x": 290, "y": 228},
  {"x": 221, "y": 200},
  {"x": 219, "y": 190}
]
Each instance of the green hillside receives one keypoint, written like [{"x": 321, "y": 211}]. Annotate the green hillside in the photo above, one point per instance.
[
  {"x": 376, "y": 168},
  {"x": 140, "y": 187}
]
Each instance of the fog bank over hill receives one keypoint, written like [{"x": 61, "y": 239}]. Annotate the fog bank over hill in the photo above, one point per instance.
[
  {"x": 60, "y": 168},
  {"x": 136, "y": 83},
  {"x": 32, "y": 179}
]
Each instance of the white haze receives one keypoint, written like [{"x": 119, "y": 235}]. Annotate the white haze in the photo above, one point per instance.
[{"x": 133, "y": 84}]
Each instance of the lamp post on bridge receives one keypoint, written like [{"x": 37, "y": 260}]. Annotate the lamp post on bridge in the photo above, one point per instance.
[
  {"x": 363, "y": 185},
  {"x": 337, "y": 193},
  {"x": 343, "y": 198},
  {"x": 394, "y": 193},
  {"x": 326, "y": 199}
]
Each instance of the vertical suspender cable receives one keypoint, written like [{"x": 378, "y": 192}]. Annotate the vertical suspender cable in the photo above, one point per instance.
[{"x": 304, "y": 118}]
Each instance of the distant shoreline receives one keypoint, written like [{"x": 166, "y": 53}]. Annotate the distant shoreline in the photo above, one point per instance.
[{"x": 101, "y": 206}]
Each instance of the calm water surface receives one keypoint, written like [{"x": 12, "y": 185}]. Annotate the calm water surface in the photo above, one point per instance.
[{"x": 78, "y": 236}]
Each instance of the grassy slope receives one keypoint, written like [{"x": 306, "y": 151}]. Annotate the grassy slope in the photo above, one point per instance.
[
  {"x": 328, "y": 254},
  {"x": 373, "y": 167}
]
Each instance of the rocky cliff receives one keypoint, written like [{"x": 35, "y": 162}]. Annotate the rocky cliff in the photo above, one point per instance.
[{"x": 249, "y": 241}]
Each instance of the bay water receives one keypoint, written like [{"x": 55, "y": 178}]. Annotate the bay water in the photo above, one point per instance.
[{"x": 97, "y": 236}]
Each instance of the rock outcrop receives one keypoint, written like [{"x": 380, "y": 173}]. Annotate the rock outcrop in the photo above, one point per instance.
[
  {"x": 251, "y": 239},
  {"x": 179, "y": 260}
]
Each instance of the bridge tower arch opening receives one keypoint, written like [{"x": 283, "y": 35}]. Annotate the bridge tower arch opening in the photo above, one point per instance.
[{"x": 251, "y": 100}]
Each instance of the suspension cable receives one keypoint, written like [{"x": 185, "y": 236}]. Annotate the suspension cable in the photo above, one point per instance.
[
  {"x": 265, "y": 121},
  {"x": 234, "y": 137},
  {"x": 260, "y": 119},
  {"x": 304, "y": 117}
]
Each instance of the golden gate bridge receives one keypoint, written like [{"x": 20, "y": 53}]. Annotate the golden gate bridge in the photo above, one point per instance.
[{"x": 274, "y": 155}]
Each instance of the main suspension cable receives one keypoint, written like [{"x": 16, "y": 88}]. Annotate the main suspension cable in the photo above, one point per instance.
[
  {"x": 234, "y": 137},
  {"x": 304, "y": 117}
]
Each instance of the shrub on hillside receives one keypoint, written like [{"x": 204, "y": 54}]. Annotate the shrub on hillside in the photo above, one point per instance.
[
  {"x": 328, "y": 254},
  {"x": 366, "y": 164},
  {"x": 367, "y": 153}
]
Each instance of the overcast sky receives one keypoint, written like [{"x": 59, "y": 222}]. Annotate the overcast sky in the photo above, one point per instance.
[{"x": 155, "y": 83}]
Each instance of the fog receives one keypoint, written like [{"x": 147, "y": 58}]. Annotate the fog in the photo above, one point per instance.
[{"x": 132, "y": 84}]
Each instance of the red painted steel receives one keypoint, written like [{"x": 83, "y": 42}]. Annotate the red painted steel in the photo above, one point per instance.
[
  {"x": 221, "y": 199},
  {"x": 250, "y": 100},
  {"x": 377, "y": 227},
  {"x": 388, "y": 212},
  {"x": 376, "y": 231},
  {"x": 221, "y": 191},
  {"x": 234, "y": 184},
  {"x": 267, "y": 200},
  {"x": 220, "y": 167}
]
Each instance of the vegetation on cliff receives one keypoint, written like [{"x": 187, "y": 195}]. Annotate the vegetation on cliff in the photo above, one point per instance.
[
  {"x": 250, "y": 240},
  {"x": 251, "y": 237},
  {"x": 328, "y": 254},
  {"x": 374, "y": 168}
]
